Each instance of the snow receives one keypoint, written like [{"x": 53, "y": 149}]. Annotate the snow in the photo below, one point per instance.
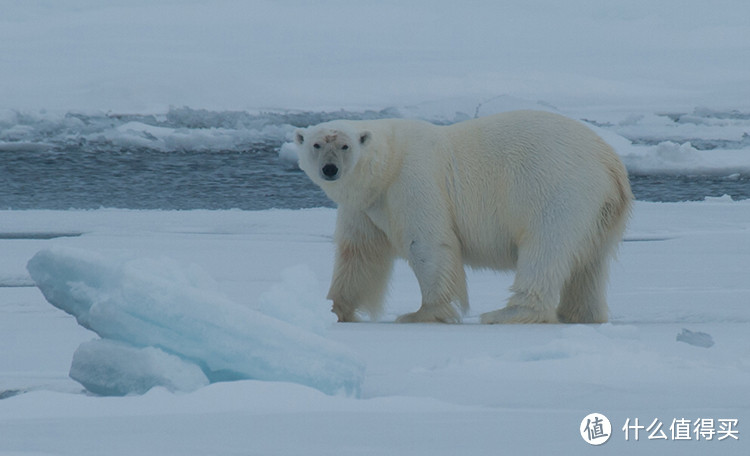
[
  {"x": 671, "y": 158},
  {"x": 664, "y": 82},
  {"x": 427, "y": 388},
  {"x": 156, "y": 303}
]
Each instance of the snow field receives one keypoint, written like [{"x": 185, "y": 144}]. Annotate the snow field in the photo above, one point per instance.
[{"x": 427, "y": 388}]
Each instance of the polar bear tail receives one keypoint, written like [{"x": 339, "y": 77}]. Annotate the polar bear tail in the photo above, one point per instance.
[{"x": 616, "y": 211}]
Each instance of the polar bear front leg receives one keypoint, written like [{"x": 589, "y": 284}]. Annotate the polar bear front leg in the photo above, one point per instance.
[
  {"x": 442, "y": 281},
  {"x": 363, "y": 265}
]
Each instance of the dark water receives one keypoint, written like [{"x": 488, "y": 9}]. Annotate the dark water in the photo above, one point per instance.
[
  {"x": 146, "y": 179},
  {"x": 673, "y": 188},
  {"x": 252, "y": 179}
]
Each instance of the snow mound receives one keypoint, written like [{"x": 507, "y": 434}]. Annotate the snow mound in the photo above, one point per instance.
[
  {"x": 152, "y": 303},
  {"x": 683, "y": 158}
]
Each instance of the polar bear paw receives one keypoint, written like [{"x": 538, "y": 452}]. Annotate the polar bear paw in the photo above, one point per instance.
[
  {"x": 345, "y": 313},
  {"x": 516, "y": 315},
  {"x": 430, "y": 316}
]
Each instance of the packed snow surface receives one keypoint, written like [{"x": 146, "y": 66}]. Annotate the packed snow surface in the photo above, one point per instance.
[{"x": 428, "y": 389}]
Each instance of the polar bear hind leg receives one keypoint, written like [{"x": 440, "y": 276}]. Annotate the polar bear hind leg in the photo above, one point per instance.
[
  {"x": 568, "y": 285},
  {"x": 583, "y": 297},
  {"x": 536, "y": 291},
  {"x": 545, "y": 263}
]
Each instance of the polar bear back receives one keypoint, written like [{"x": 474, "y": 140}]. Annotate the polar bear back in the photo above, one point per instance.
[{"x": 504, "y": 176}]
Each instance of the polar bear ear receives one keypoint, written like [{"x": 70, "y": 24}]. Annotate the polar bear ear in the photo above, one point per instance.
[
  {"x": 364, "y": 137},
  {"x": 299, "y": 137}
]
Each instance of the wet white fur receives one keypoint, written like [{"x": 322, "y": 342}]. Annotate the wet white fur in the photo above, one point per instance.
[{"x": 526, "y": 190}]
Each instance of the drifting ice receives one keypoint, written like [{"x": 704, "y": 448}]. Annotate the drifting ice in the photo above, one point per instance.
[
  {"x": 146, "y": 303},
  {"x": 698, "y": 339}
]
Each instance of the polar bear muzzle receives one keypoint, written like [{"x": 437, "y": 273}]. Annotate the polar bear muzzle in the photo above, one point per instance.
[{"x": 329, "y": 172}]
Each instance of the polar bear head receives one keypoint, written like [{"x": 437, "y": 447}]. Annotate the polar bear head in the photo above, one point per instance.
[{"x": 329, "y": 152}]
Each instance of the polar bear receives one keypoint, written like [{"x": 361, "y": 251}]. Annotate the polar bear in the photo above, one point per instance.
[{"x": 531, "y": 191}]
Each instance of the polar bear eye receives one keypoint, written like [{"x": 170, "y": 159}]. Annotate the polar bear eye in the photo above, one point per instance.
[
  {"x": 345, "y": 147},
  {"x": 316, "y": 145}
]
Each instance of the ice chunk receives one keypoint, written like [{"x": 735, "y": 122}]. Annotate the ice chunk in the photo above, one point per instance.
[
  {"x": 719, "y": 199},
  {"x": 147, "y": 304},
  {"x": 112, "y": 368},
  {"x": 289, "y": 155},
  {"x": 699, "y": 339}
]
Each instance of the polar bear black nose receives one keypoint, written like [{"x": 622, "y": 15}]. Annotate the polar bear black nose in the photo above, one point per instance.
[{"x": 330, "y": 171}]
